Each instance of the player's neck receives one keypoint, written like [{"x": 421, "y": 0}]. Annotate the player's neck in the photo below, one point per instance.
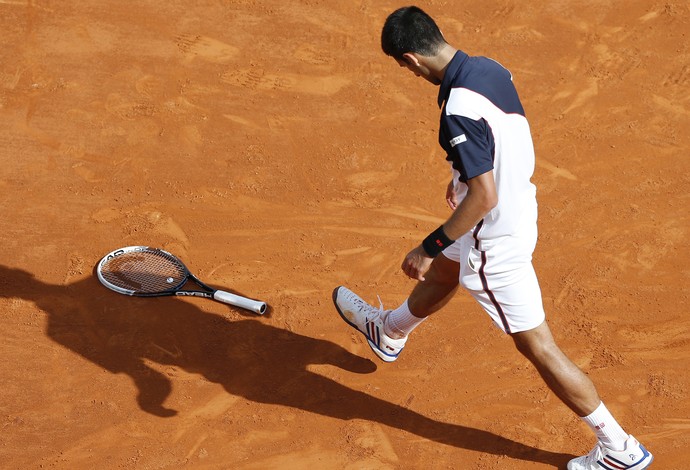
[{"x": 441, "y": 60}]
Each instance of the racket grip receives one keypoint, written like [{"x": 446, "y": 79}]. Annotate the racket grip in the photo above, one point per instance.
[{"x": 255, "y": 306}]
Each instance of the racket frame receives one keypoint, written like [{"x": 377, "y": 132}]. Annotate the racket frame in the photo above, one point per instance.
[{"x": 255, "y": 306}]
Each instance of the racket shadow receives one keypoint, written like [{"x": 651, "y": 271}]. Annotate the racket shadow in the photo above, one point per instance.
[{"x": 248, "y": 357}]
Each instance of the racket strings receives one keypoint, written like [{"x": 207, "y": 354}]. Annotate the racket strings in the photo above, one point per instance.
[{"x": 148, "y": 271}]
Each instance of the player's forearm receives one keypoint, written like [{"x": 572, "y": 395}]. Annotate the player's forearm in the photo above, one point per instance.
[
  {"x": 480, "y": 199},
  {"x": 469, "y": 212},
  {"x": 467, "y": 215}
]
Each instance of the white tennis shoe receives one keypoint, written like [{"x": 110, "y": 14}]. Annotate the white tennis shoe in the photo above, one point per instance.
[
  {"x": 633, "y": 457},
  {"x": 368, "y": 321}
]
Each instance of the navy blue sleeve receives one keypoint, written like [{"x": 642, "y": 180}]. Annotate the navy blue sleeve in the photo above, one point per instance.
[{"x": 469, "y": 145}]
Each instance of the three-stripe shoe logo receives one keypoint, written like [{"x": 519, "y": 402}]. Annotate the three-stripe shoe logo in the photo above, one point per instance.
[
  {"x": 613, "y": 464},
  {"x": 373, "y": 332}
]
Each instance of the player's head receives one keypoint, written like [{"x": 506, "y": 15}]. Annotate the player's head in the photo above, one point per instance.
[
  {"x": 409, "y": 29},
  {"x": 16, "y": 282},
  {"x": 409, "y": 33}
]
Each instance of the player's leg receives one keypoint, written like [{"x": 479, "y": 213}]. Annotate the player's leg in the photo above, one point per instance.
[
  {"x": 387, "y": 331},
  {"x": 503, "y": 281},
  {"x": 427, "y": 297},
  {"x": 439, "y": 286},
  {"x": 563, "y": 377},
  {"x": 577, "y": 391}
]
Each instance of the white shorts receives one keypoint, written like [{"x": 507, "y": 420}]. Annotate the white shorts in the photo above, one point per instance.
[{"x": 502, "y": 279}]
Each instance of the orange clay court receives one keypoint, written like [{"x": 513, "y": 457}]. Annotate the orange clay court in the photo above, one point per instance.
[{"x": 275, "y": 149}]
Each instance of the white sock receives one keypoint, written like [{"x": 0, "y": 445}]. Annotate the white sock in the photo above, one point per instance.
[
  {"x": 400, "y": 322},
  {"x": 607, "y": 429}
]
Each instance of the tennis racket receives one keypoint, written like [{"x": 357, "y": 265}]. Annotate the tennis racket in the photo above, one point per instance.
[{"x": 151, "y": 272}]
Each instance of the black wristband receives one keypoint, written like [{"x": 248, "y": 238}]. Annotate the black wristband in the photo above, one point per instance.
[{"x": 436, "y": 242}]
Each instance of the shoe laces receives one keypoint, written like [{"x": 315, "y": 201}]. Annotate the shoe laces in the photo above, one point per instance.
[{"x": 366, "y": 307}]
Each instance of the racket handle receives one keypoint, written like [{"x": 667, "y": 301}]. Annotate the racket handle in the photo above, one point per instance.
[{"x": 255, "y": 306}]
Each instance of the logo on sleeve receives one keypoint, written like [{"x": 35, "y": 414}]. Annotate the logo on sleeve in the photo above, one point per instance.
[{"x": 458, "y": 140}]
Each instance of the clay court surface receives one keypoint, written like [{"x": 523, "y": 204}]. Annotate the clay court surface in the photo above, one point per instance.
[{"x": 277, "y": 151}]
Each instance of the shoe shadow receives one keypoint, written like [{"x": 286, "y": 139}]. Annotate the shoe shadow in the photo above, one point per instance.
[{"x": 247, "y": 357}]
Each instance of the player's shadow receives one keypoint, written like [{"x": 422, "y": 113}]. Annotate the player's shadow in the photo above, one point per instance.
[{"x": 248, "y": 357}]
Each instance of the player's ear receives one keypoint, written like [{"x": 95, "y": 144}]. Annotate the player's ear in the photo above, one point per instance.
[{"x": 411, "y": 59}]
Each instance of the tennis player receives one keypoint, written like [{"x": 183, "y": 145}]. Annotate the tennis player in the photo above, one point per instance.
[{"x": 486, "y": 244}]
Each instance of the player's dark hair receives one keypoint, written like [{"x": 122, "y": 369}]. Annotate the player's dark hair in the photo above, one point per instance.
[{"x": 409, "y": 29}]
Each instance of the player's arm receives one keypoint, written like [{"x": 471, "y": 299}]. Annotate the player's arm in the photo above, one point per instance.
[
  {"x": 480, "y": 199},
  {"x": 468, "y": 147}
]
